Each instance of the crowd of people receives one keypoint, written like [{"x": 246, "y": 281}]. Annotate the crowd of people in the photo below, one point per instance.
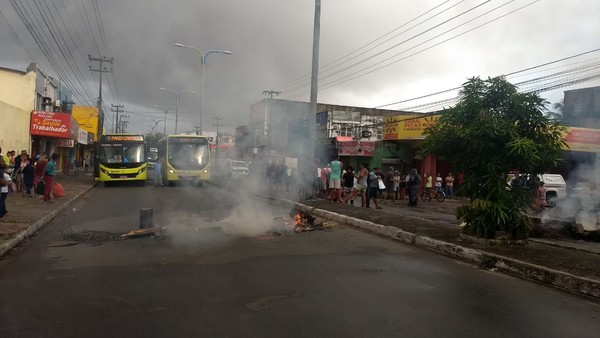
[
  {"x": 342, "y": 185},
  {"x": 26, "y": 175}
]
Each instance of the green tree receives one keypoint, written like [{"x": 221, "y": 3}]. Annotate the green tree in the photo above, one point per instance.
[
  {"x": 494, "y": 129},
  {"x": 559, "y": 110}
]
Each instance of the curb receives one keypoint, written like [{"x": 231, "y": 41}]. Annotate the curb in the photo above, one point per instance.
[
  {"x": 40, "y": 223},
  {"x": 561, "y": 280}
]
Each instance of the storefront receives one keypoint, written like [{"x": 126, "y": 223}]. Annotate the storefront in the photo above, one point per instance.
[
  {"x": 54, "y": 133},
  {"x": 409, "y": 131}
]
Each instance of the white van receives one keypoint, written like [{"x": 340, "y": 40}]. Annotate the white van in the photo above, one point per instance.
[
  {"x": 556, "y": 187},
  {"x": 235, "y": 169}
]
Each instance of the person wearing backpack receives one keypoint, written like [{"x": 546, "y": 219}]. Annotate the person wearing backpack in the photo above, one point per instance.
[{"x": 4, "y": 182}]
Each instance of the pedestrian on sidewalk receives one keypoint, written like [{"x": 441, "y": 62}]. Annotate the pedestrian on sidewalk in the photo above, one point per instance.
[
  {"x": 5, "y": 181},
  {"x": 157, "y": 167},
  {"x": 396, "y": 186},
  {"x": 49, "y": 174},
  {"x": 412, "y": 185},
  {"x": 428, "y": 186},
  {"x": 325, "y": 180},
  {"x": 438, "y": 183},
  {"x": 373, "y": 187},
  {"x": 348, "y": 179},
  {"x": 450, "y": 186},
  {"x": 28, "y": 176},
  {"x": 389, "y": 186},
  {"x": 360, "y": 187},
  {"x": 335, "y": 180}
]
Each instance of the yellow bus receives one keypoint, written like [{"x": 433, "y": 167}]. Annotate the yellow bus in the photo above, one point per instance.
[
  {"x": 185, "y": 158},
  {"x": 122, "y": 157}
]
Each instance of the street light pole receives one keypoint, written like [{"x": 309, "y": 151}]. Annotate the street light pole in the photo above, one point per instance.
[
  {"x": 177, "y": 95},
  {"x": 166, "y": 110},
  {"x": 203, "y": 59}
]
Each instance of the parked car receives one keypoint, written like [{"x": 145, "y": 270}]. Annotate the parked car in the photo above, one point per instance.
[{"x": 235, "y": 169}]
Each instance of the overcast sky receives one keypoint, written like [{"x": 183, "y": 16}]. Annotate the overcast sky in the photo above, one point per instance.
[{"x": 271, "y": 42}]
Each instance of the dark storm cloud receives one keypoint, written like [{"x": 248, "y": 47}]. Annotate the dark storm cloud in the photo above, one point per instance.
[{"x": 271, "y": 44}]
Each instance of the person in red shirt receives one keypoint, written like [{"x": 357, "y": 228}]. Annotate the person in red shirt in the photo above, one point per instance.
[{"x": 40, "y": 167}]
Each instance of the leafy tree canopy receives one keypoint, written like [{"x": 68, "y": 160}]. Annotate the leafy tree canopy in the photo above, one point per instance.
[
  {"x": 494, "y": 129},
  {"x": 153, "y": 138}
]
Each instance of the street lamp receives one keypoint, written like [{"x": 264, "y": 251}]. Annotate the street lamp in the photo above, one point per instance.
[
  {"x": 203, "y": 58},
  {"x": 166, "y": 110},
  {"x": 177, "y": 95}
]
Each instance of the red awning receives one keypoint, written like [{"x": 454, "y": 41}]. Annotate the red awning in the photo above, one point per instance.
[
  {"x": 343, "y": 138},
  {"x": 356, "y": 148}
]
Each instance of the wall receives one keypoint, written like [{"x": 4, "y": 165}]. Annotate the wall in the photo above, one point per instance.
[
  {"x": 14, "y": 129},
  {"x": 17, "y": 98},
  {"x": 17, "y": 89}
]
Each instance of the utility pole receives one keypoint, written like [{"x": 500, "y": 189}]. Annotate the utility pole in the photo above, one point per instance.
[
  {"x": 116, "y": 109},
  {"x": 101, "y": 69},
  {"x": 310, "y": 116},
  {"x": 101, "y": 61},
  {"x": 218, "y": 124},
  {"x": 123, "y": 123}
]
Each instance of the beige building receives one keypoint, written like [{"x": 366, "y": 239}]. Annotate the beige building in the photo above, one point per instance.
[{"x": 17, "y": 100}]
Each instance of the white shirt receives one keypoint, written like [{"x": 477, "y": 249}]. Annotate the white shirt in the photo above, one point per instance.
[{"x": 8, "y": 181}]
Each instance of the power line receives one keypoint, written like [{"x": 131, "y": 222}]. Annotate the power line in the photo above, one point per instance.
[
  {"x": 325, "y": 67},
  {"x": 507, "y": 75},
  {"x": 357, "y": 74}
]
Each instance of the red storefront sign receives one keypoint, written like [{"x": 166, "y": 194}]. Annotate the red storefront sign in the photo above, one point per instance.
[
  {"x": 356, "y": 148},
  {"x": 45, "y": 123}
]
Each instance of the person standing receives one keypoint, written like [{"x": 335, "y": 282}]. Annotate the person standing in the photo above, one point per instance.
[
  {"x": 396, "y": 183},
  {"x": 157, "y": 167},
  {"x": 413, "y": 183},
  {"x": 325, "y": 180},
  {"x": 373, "y": 187},
  {"x": 450, "y": 186},
  {"x": 348, "y": 179},
  {"x": 49, "y": 173},
  {"x": 335, "y": 180},
  {"x": 28, "y": 176},
  {"x": 438, "y": 183},
  {"x": 389, "y": 186},
  {"x": 5, "y": 181},
  {"x": 40, "y": 167},
  {"x": 428, "y": 186}
]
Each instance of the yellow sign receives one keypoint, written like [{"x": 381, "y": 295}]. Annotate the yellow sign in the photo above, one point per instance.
[
  {"x": 87, "y": 117},
  {"x": 408, "y": 127},
  {"x": 582, "y": 139}
]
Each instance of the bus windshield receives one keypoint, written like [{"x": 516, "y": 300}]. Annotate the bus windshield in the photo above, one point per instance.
[
  {"x": 188, "y": 153},
  {"x": 122, "y": 153}
]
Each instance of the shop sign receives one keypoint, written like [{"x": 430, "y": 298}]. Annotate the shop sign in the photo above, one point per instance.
[
  {"x": 356, "y": 148},
  {"x": 74, "y": 130},
  {"x": 408, "y": 127},
  {"x": 82, "y": 138},
  {"x": 65, "y": 143},
  {"x": 582, "y": 139},
  {"x": 51, "y": 124}
]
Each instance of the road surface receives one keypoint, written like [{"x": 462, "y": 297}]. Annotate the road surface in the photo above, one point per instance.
[{"x": 211, "y": 276}]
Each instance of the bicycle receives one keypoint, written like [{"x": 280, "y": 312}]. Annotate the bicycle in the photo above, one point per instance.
[{"x": 439, "y": 196}]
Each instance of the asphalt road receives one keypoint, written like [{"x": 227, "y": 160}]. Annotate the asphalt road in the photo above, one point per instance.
[{"x": 211, "y": 276}]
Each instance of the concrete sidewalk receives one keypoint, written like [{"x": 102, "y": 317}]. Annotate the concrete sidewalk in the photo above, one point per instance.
[
  {"x": 26, "y": 211},
  {"x": 574, "y": 267}
]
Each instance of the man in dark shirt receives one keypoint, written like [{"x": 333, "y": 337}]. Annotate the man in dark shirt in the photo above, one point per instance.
[{"x": 348, "y": 179}]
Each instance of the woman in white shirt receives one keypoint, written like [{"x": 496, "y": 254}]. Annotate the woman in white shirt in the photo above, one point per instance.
[{"x": 5, "y": 181}]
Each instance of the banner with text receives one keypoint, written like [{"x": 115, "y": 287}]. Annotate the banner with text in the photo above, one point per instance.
[
  {"x": 407, "y": 127},
  {"x": 51, "y": 124},
  {"x": 582, "y": 139}
]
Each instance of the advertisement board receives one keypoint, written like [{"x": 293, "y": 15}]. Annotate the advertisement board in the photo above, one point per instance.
[
  {"x": 582, "y": 139},
  {"x": 356, "y": 148},
  {"x": 64, "y": 143},
  {"x": 51, "y": 124},
  {"x": 87, "y": 118},
  {"x": 82, "y": 137},
  {"x": 407, "y": 127}
]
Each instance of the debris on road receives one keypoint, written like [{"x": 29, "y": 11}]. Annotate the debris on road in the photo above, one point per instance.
[
  {"x": 89, "y": 236},
  {"x": 154, "y": 231},
  {"x": 62, "y": 244}
]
